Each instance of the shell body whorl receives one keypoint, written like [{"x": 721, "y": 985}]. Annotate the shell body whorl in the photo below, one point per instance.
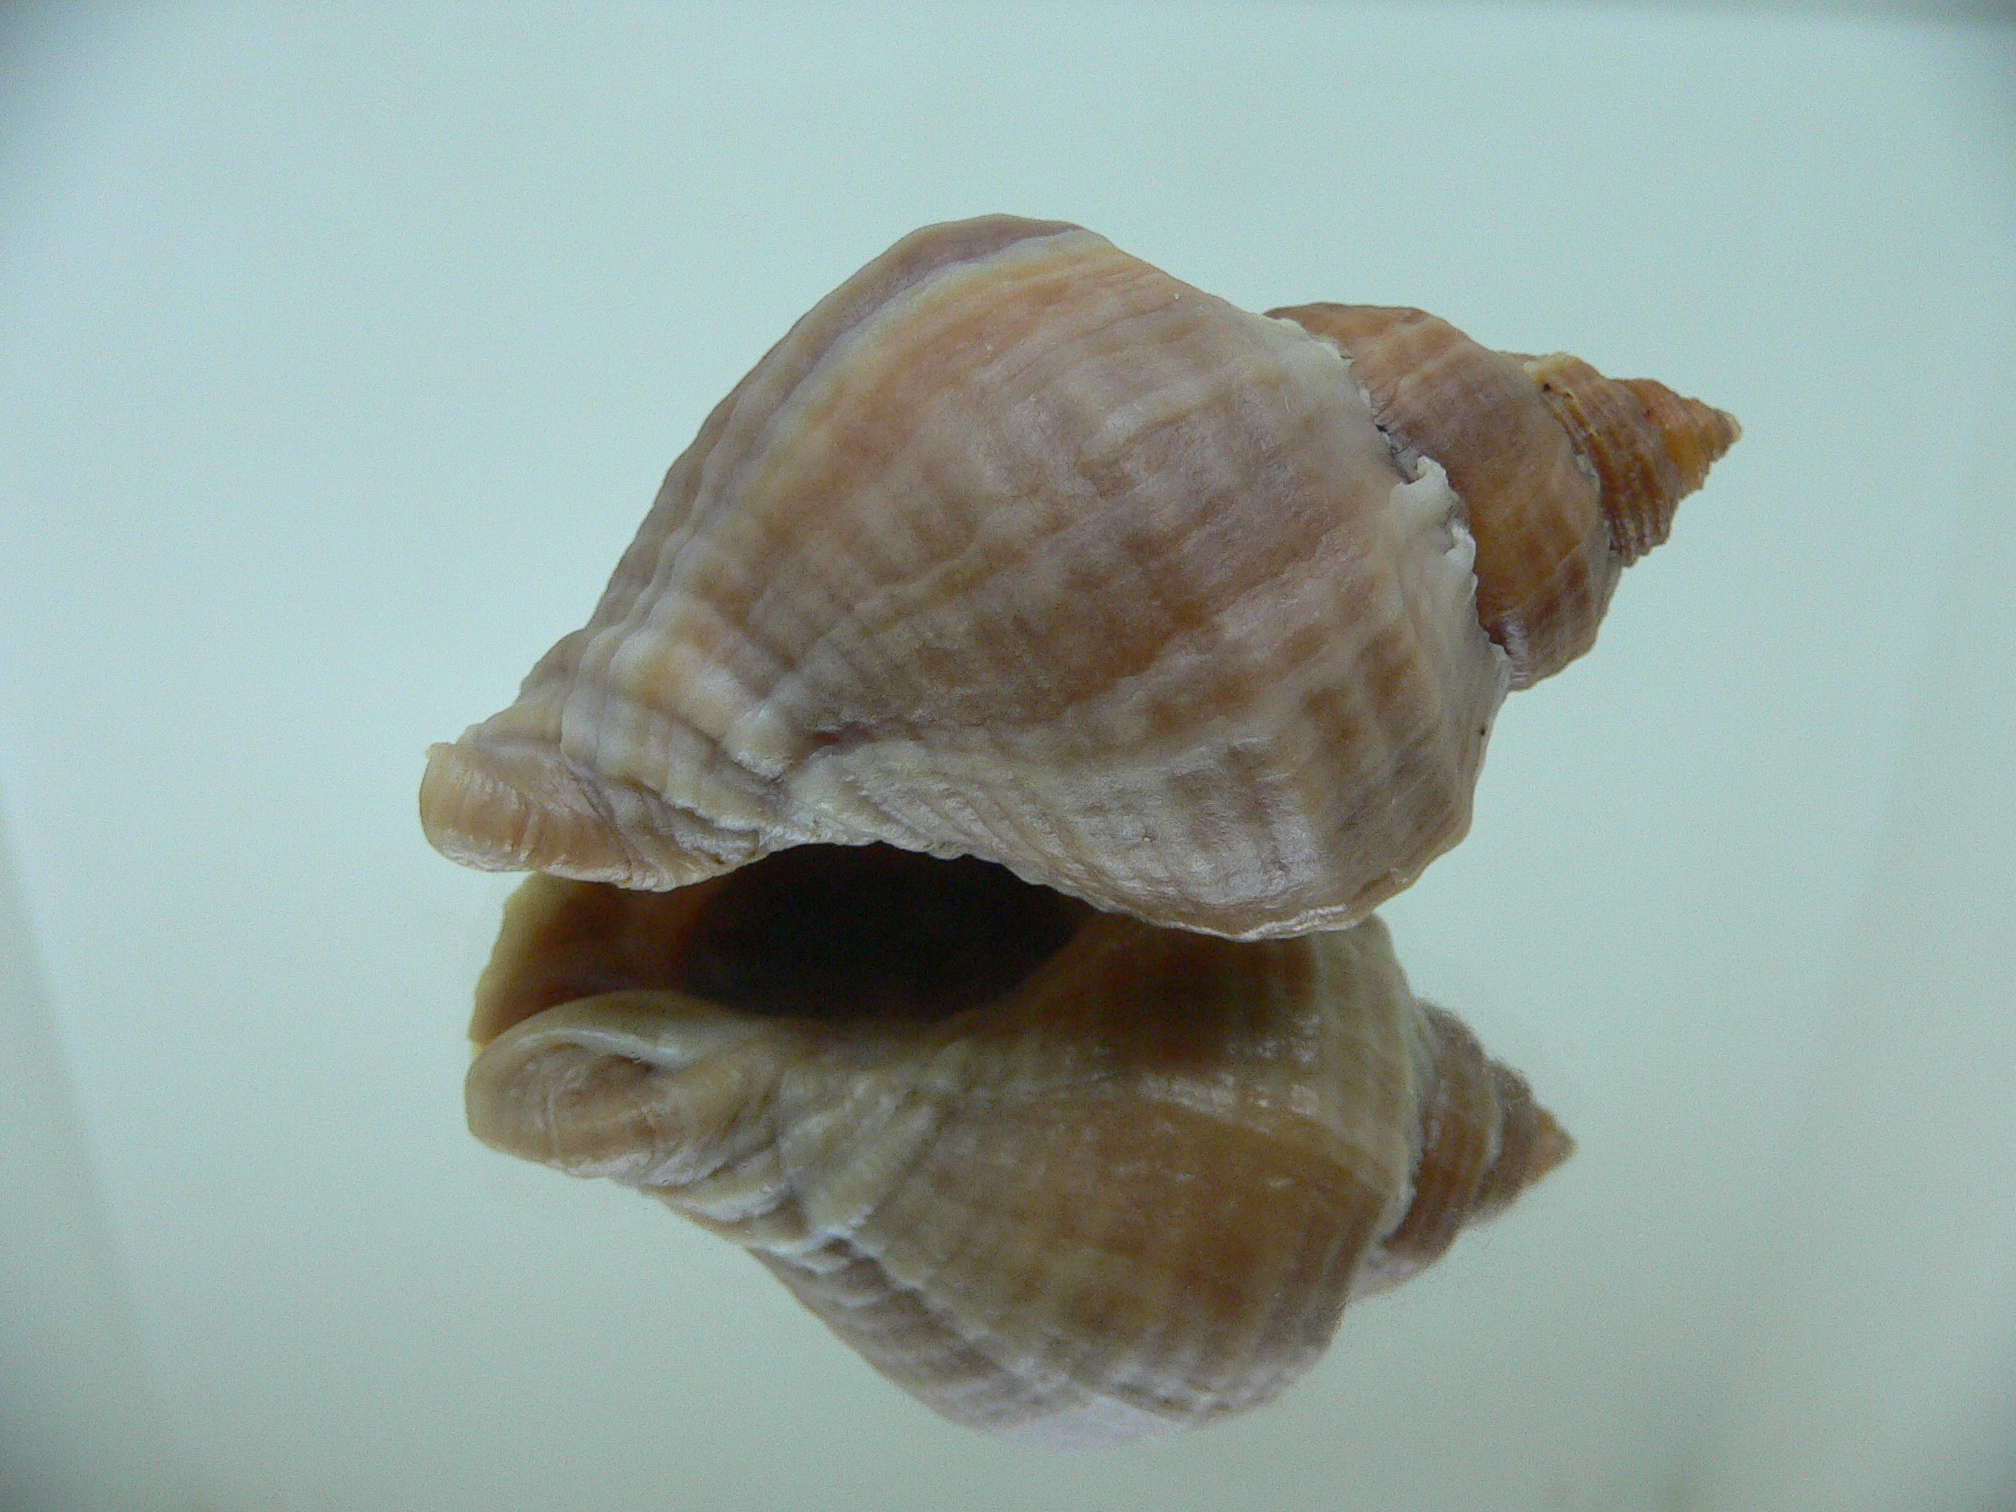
[
  {"x": 1019, "y": 548},
  {"x": 1123, "y": 1183}
]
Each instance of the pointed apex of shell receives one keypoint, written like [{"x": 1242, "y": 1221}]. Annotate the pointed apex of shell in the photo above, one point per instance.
[
  {"x": 1551, "y": 1146},
  {"x": 1648, "y": 446},
  {"x": 1696, "y": 435},
  {"x": 1531, "y": 1143}
]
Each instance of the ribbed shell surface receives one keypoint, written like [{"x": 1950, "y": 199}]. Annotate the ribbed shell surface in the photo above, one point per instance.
[{"x": 1017, "y": 547}]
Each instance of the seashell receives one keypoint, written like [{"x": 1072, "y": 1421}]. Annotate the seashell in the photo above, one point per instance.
[
  {"x": 1060, "y": 1174},
  {"x": 1016, "y": 547}
]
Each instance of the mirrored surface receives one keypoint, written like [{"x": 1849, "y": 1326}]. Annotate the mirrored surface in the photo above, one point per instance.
[{"x": 343, "y": 355}]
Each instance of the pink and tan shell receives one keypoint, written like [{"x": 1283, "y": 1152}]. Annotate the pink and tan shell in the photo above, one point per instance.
[
  {"x": 1059, "y": 1174},
  {"x": 1024, "y": 557},
  {"x": 1016, "y": 547}
]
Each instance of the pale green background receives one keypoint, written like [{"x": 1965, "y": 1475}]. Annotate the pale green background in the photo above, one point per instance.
[{"x": 341, "y": 349}]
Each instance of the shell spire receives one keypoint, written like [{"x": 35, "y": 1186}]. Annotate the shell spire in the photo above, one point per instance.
[
  {"x": 1649, "y": 446},
  {"x": 1567, "y": 476}
]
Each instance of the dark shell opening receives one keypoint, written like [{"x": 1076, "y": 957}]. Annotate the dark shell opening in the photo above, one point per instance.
[
  {"x": 844, "y": 931},
  {"x": 819, "y": 931}
]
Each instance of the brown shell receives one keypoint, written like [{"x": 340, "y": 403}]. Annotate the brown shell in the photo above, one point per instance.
[
  {"x": 1059, "y": 1174},
  {"x": 1567, "y": 477},
  {"x": 1016, "y": 547}
]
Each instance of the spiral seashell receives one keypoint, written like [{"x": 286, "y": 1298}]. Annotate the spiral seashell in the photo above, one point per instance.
[
  {"x": 1018, "y": 548},
  {"x": 1060, "y": 1174}
]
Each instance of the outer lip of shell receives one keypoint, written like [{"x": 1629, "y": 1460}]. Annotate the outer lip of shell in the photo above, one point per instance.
[{"x": 523, "y": 806}]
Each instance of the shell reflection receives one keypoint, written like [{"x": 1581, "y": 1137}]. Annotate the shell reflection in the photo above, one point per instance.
[{"x": 1058, "y": 1173}]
